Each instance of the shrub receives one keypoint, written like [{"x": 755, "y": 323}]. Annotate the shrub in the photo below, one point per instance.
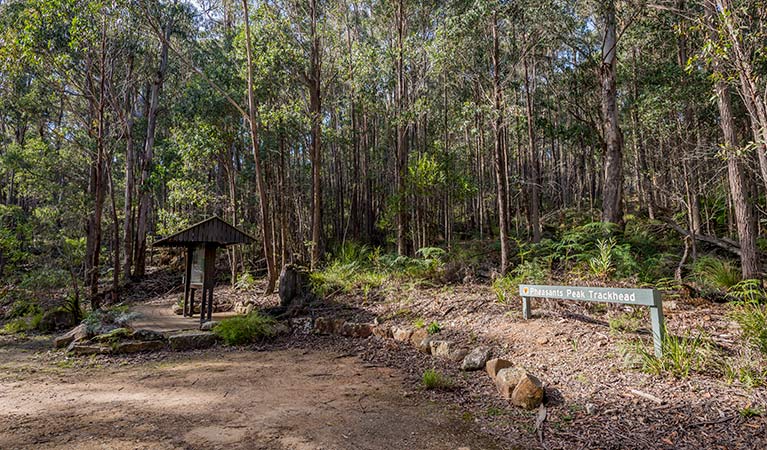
[
  {"x": 102, "y": 320},
  {"x": 434, "y": 327},
  {"x": 21, "y": 308},
  {"x": 245, "y": 282},
  {"x": 752, "y": 318},
  {"x": 245, "y": 329},
  {"x": 432, "y": 379},
  {"x": 715, "y": 272},
  {"x": 22, "y": 324},
  {"x": 681, "y": 356},
  {"x": 507, "y": 287}
]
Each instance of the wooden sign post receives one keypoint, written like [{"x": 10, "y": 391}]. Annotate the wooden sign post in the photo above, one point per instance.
[{"x": 643, "y": 297}]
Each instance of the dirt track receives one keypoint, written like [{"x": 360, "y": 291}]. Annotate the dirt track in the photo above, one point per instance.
[{"x": 278, "y": 399}]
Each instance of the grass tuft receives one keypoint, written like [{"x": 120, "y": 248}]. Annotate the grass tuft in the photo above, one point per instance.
[
  {"x": 682, "y": 355},
  {"x": 432, "y": 379},
  {"x": 245, "y": 329}
]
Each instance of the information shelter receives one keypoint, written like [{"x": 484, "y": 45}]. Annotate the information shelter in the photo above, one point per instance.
[{"x": 201, "y": 241}]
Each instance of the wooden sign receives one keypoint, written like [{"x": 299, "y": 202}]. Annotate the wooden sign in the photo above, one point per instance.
[{"x": 642, "y": 297}]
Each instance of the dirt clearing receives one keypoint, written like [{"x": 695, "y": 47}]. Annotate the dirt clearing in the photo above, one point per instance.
[{"x": 277, "y": 399}]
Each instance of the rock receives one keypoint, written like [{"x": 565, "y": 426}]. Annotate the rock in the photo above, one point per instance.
[
  {"x": 178, "y": 309},
  {"x": 114, "y": 335},
  {"x": 191, "y": 340},
  {"x": 87, "y": 349},
  {"x": 56, "y": 319},
  {"x": 281, "y": 328},
  {"x": 356, "y": 330},
  {"x": 476, "y": 359},
  {"x": 496, "y": 365},
  {"x": 401, "y": 334},
  {"x": 77, "y": 333},
  {"x": 506, "y": 380},
  {"x": 138, "y": 346},
  {"x": 302, "y": 325},
  {"x": 457, "y": 354},
  {"x": 147, "y": 335},
  {"x": 440, "y": 348},
  {"x": 208, "y": 326},
  {"x": 529, "y": 392},
  {"x": 323, "y": 325},
  {"x": 590, "y": 408},
  {"x": 383, "y": 331},
  {"x": 421, "y": 340},
  {"x": 542, "y": 340},
  {"x": 295, "y": 288}
]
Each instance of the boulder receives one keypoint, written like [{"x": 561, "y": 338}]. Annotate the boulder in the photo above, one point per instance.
[
  {"x": 87, "y": 349},
  {"x": 383, "y": 331},
  {"x": 77, "y": 333},
  {"x": 114, "y": 335},
  {"x": 301, "y": 324},
  {"x": 496, "y": 365},
  {"x": 356, "y": 330},
  {"x": 476, "y": 359},
  {"x": 281, "y": 328},
  {"x": 208, "y": 326},
  {"x": 56, "y": 319},
  {"x": 458, "y": 354},
  {"x": 138, "y": 346},
  {"x": 529, "y": 392},
  {"x": 191, "y": 340},
  {"x": 506, "y": 380},
  {"x": 401, "y": 334},
  {"x": 323, "y": 325},
  {"x": 147, "y": 335},
  {"x": 295, "y": 288},
  {"x": 440, "y": 348},
  {"x": 421, "y": 340}
]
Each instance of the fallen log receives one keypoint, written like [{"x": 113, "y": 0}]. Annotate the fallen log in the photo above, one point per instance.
[{"x": 723, "y": 243}]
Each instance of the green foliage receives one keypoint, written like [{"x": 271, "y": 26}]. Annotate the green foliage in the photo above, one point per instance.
[
  {"x": 434, "y": 327},
  {"x": 602, "y": 264},
  {"x": 752, "y": 318},
  {"x": 628, "y": 322},
  {"x": 245, "y": 329},
  {"x": 529, "y": 272},
  {"x": 431, "y": 379},
  {"x": 752, "y": 374},
  {"x": 26, "y": 323},
  {"x": 245, "y": 282},
  {"x": 717, "y": 273},
  {"x": 107, "y": 319},
  {"x": 419, "y": 323},
  {"x": 752, "y": 411},
  {"x": 22, "y": 308},
  {"x": 682, "y": 355}
]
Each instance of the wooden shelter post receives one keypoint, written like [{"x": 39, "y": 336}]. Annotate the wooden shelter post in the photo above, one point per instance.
[{"x": 188, "y": 283}]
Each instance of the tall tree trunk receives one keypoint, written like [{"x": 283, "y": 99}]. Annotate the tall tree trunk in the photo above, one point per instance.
[
  {"x": 534, "y": 181},
  {"x": 612, "y": 196},
  {"x": 315, "y": 107},
  {"x": 402, "y": 142},
  {"x": 499, "y": 160},
  {"x": 266, "y": 227},
  {"x": 145, "y": 195},
  {"x": 130, "y": 177},
  {"x": 744, "y": 214}
]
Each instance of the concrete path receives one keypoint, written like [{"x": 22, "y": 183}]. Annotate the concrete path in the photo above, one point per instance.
[{"x": 161, "y": 318}]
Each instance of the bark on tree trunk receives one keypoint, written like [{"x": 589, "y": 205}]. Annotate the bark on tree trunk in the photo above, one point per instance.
[
  {"x": 612, "y": 195},
  {"x": 499, "y": 160},
  {"x": 744, "y": 215}
]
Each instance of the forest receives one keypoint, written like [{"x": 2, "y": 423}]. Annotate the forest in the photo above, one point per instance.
[{"x": 418, "y": 161}]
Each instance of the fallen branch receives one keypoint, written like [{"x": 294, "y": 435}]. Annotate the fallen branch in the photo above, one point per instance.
[
  {"x": 647, "y": 396},
  {"x": 723, "y": 243}
]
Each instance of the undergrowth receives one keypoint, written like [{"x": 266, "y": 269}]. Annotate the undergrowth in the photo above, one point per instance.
[
  {"x": 361, "y": 267},
  {"x": 682, "y": 355},
  {"x": 431, "y": 379},
  {"x": 245, "y": 330}
]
